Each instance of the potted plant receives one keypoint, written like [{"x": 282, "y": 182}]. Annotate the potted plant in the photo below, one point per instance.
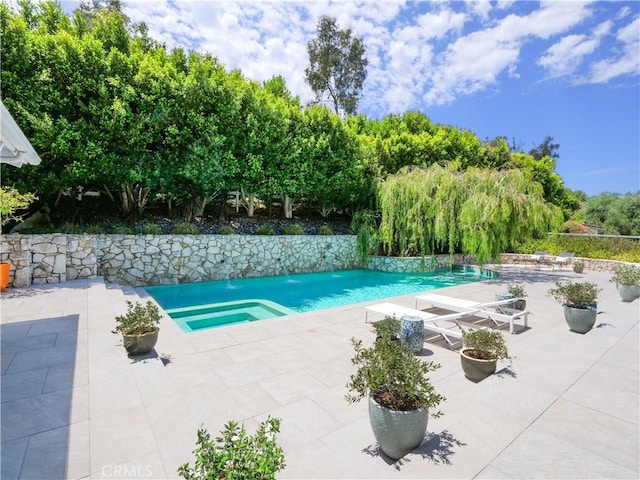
[
  {"x": 578, "y": 266},
  {"x": 517, "y": 292},
  {"x": 387, "y": 327},
  {"x": 579, "y": 302},
  {"x": 627, "y": 280},
  {"x": 236, "y": 454},
  {"x": 139, "y": 327},
  {"x": 399, "y": 390},
  {"x": 481, "y": 352}
]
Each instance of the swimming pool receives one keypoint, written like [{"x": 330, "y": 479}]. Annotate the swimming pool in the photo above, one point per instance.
[{"x": 189, "y": 303}]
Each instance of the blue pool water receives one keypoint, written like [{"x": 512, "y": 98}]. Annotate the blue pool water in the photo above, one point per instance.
[{"x": 305, "y": 292}]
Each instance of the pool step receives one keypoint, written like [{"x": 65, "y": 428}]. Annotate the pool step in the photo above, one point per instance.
[{"x": 216, "y": 314}]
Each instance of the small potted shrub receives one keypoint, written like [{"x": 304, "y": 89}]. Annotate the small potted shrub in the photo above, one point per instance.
[
  {"x": 399, "y": 390},
  {"x": 388, "y": 327},
  {"x": 236, "y": 454},
  {"x": 627, "y": 280},
  {"x": 579, "y": 300},
  {"x": 139, "y": 327},
  {"x": 515, "y": 291},
  {"x": 481, "y": 351},
  {"x": 578, "y": 266}
]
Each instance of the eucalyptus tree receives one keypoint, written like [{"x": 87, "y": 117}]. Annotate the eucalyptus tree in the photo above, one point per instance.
[
  {"x": 479, "y": 212},
  {"x": 337, "y": 66},
  {"x": 546, "y": 149}
]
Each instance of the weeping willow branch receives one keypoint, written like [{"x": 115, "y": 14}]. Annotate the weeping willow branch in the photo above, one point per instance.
[{"x": 478, "y": 212}]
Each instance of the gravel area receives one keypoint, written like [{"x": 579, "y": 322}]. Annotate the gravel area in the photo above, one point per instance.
[{"x": 250, "y": 226}]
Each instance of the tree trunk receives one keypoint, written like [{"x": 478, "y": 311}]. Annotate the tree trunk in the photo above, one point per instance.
[{"x": 287, "y": 206}]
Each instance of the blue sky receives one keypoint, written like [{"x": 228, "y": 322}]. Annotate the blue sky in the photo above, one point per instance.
[{"x": 519, "y": 69}]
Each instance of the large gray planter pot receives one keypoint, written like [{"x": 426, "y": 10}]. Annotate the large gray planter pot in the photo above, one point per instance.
[
  {"x": 580, "y": 320},
  {"x": 475, "y": 369},
  {"x": 629, "y": 293},
  {"x": 140, "y": 344},
  {"x": 397, "y": 433}
]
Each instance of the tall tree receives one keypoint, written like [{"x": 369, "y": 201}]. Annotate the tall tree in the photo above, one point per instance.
[
  {"x": 546, "y": 149},
  {"x": 337, "y": 66},
  {"x": 480, "y": 212}
]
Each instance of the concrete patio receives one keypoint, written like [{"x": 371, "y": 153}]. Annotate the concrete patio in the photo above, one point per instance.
[{"x": 75, "y": 406}]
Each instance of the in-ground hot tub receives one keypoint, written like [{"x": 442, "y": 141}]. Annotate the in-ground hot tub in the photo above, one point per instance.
[{"x": 199, "y": 317}]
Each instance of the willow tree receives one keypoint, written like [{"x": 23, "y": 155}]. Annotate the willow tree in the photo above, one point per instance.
[{"x": 478, "y": 212}]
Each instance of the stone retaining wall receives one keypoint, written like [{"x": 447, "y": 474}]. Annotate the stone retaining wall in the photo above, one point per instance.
[
  {"x": 165, "y": 259},
  {"x": 589, "y": 263}
]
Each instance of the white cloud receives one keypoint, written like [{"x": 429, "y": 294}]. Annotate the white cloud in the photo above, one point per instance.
[
  {"x": 564, "y": 57},
  {"x": 627, "y": 63},
  {"x": 418, "y": 52},
  {"x": 481, "y": 8}
]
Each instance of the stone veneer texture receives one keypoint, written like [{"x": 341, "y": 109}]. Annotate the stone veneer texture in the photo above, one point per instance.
[{"x": 164, "y": 259}]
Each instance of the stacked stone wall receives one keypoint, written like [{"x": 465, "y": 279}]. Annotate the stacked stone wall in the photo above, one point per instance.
[{"x": 165, "y": 259}]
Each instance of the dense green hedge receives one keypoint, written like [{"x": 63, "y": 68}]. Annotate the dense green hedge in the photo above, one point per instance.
[{"x": 606, "y": 248}]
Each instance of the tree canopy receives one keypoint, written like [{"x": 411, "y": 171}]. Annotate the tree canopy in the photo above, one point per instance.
[
  {"x": 477, "y": 211},
  {"x": 337, "y": 66},
  {"x": 111, "y": 110}
]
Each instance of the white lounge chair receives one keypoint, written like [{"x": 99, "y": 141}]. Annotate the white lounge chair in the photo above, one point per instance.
[
  {"x": 537, "y": 257},
  {"x": 497, "y": 312},
  {"x": 563, "y": 258},
  {"x": 451, "y": 334}
]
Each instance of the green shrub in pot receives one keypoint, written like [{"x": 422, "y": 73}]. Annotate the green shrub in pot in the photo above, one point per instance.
[
  {"x": 399, "y": 390},
  {"x": 627, "y": 280}
]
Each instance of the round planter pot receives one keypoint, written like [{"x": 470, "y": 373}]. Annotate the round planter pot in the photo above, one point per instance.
[
  {"x": 475, "y": 369},
  {"x": 629, "y": 293},
  {"x": 520, "y": 304},
  {"x": 5, "y": 269},
  {"x": 396, "y": 432},
  {"x": 140, "y": 344},
  {"x": 580, "y": 320},
  {"x": 412, "y": 332}
]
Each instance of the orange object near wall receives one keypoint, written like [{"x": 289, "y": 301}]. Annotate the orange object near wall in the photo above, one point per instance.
[{"x": 4, "y": 275}]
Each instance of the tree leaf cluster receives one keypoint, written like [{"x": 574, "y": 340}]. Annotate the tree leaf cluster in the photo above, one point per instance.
[
  {"x": 235, "y": 455},
  {"x": 618, "y": 214},
  {"x": 390, "y": 373},
  {"x": 482, "y": 212},
  {"x": 111, "y": 110}
]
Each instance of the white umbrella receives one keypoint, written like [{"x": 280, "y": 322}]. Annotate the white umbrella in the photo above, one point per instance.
[{"x": 15, "y": 148}]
